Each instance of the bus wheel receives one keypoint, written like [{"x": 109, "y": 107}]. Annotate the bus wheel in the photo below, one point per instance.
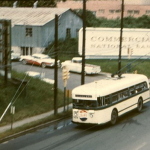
[
  {"x": 114, "y": 116},
  {"x": 140, "y": 105}
]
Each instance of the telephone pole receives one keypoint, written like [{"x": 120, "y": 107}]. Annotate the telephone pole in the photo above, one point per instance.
[
  {"x": 120, "y": 46},
  {"x": 5, "y": 49},
  {"x": 83, "y": 43},
  {"x": 56, "y": 68}
]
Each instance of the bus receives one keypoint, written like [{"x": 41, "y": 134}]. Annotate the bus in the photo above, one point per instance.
[{"x": 107, "y": 99}]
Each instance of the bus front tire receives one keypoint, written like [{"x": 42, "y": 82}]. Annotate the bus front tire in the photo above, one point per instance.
[
  {"x": 140, "y": 105},
  {"x": 114, "y": 117}
]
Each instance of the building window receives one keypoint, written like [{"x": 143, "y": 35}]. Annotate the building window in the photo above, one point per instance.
[
  {"x": 118, "y": 11},
  {"x": 130, "y": 12},
  {"x": 102, "y": 11},
  {"x": 147, "y": 12},
  {"x": 136, "y": 12},
  {"x": 133, "y": 12},
  {"x": 112, "y": 11},
  {"x": 26, "y": 50},
  {"x": 29, "y": 32},
  {"x": 68, "y": 33}
]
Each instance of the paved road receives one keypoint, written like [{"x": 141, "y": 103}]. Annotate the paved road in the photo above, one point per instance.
[
  {"x": 131, "y": 133},
  {"x": 73, "y": 81}
]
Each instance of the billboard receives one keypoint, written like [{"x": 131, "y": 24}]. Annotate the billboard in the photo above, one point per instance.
[{"x": 104, "y": 42}]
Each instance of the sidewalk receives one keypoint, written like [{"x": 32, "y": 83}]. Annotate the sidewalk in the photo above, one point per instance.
[{"x": 31, "y": 119}]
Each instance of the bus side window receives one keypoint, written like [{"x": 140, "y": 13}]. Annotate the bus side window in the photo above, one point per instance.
[
  {"x": 145, "y": 85},
  {"x": 99, "y": 99},
  {"x": 131, "y": 90},
  {"x": 114, "y": 97},
  {"x": 107, "y": 100},
  {"x": 138, "y": 88},
  {"x": 125, "y": 93}
]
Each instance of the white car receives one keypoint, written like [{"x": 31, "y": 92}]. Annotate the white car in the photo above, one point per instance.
[
  {"x": 75, "y": 65},
  {"x": 40, "y": 60},
  {"x": 15, "y": 56}
]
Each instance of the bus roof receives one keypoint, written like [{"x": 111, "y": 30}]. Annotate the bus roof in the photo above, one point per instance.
[{"x": 107, "y": 86}]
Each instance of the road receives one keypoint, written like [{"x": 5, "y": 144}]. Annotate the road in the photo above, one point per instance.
[
  {"x": 132, "y": 132},
  {"x": 73, "y": 81}
]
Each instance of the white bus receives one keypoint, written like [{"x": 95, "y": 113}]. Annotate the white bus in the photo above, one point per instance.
[{"x": 105, "y": 100}]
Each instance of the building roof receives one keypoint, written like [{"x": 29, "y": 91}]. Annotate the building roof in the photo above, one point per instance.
[{"x": 30, "y": 16}]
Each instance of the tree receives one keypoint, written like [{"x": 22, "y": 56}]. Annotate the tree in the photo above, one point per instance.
[{"x": 26, "y": 3}]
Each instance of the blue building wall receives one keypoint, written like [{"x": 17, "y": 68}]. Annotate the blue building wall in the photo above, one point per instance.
[{"x": 44, "y": 35}]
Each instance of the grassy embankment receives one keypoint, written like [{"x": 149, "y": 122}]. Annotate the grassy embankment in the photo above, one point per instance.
[
  {"x": 35, "y": 99},
  {"x": 111, "y": 66}
]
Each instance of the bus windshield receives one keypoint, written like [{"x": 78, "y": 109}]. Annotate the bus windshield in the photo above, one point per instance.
[{"x": 84, "y": 103}]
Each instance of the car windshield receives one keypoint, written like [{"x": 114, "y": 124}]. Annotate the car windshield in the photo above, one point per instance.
[
  {"x": 45, "y": 57},
  {"x": 41, "y": 57}
]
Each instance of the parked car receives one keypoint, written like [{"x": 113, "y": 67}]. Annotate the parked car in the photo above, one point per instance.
[
  {"x": 15, "y": 56},
  {"x": 40, "y": 60},
  {"x": 75, "y": 65}
]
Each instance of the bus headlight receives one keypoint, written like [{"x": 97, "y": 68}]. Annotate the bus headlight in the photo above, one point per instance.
[
  {"x": 75, "y": 114},
  {"x": 91, "y": 113}
]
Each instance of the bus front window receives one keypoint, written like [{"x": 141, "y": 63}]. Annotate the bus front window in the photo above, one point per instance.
[{"x": 84, "y": 103}]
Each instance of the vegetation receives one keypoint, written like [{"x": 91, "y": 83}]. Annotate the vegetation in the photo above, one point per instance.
[
  {"x": 128, "y": 22},
  {"x": 25, "y": 3},
  {"x": 27, "y": 98},
  {"x": 66, "y": 49},
  {"x": 128, "y": 66}
]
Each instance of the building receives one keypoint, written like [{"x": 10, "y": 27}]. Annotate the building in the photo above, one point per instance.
[
  {"x": 111, "y": 9},
  {"x": 33, "y": 29}
]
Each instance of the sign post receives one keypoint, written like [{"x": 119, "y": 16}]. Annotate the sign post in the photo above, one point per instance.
[
  {"x": 65, "y": 77},
  {"x": 12, "y": 111}
]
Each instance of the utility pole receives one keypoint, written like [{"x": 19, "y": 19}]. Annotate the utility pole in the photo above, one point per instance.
[
  {"x": 56, "y": 68},
  {"x": 5, "y": 48},
  {"x": 83, "y": 44},
  {"x": 120, "y": 46}
]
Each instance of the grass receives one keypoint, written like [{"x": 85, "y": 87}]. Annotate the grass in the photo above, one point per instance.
[
  {"x": 111, "y": 66},
  {"x": 37, "y": 97}
]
